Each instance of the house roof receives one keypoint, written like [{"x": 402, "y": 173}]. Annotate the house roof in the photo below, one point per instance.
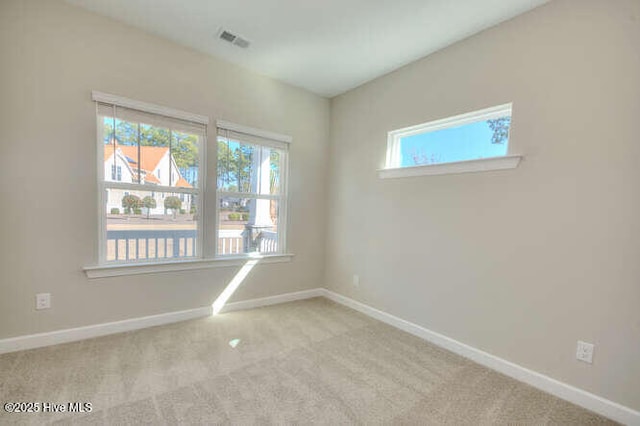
[
  {"x": 108, "y": 151},
  {"x": 151, "y": 178},
  {"x": 182, "y": 183},
  {"x": 150, "y": 157}
]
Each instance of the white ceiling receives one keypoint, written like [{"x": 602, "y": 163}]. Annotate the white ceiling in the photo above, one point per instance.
[{"x": 325, "y": 46}]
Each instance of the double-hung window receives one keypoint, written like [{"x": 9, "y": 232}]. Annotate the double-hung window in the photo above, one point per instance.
[
  {"x": 251, "y": 191},
  {"x": 151, "y": 188},
  {"x": 149, "y": 184}
]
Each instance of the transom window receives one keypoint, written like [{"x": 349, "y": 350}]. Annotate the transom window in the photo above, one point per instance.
[{"x": 477, "y": 135}]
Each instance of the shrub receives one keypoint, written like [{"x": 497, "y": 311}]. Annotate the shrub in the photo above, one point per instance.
[
  {"x": 182, "y": 211},
  {"x": 137, "y": 210},
  {"x": 115, "y": 210},
  {"x": 130, "y": 202},
  {"x": 172, "y": 202},
  {"x": 149, "y": 203},
  {"x": 234, "y": 216},
  {"x": 245, "y": 216},
  {"x": 192, "y": 210}
]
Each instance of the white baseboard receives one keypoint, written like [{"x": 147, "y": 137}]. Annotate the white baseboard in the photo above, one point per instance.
[
  {"x": 73, "y": 334},
  {"x": 273, "y": 300},
  {"x": 562, "y": 390},
  {"x": 32, "y": 341},
  {"x": 577, "y": 396}
]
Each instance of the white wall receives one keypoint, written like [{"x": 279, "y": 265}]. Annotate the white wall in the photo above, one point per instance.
[
  {"x": 53, "y": 54},
  {"x": 518, "y": 263}
]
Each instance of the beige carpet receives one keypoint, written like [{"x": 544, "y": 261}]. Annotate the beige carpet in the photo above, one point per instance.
[{"x": 304, "y": 362}]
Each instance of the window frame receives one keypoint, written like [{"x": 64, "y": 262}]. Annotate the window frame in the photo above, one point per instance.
[
  {"x": 207, "y": 222},
  {"x": 282, "y": 198},
  {"x": 103, "y": 185},
  {"x": 392, "y": 167}
]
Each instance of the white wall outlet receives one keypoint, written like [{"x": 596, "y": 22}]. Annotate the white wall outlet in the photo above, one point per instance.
[
  {"x": 356, "y": 280},
  {"x": 584, "y": 352},
  {"x": 43, "y": 301}
]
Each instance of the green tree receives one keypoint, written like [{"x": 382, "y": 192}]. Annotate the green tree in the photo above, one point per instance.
[
  {"x": 173, "y": 203},
  {"x": 500, "y": 128},
  {"x": 184, "y": 146},
  {"x": 154, "y": 136},
  {"x": 224, "y": 165},
  {"x": 234, "y": 166},
  {"x": 274, "y": 172},
  {"x": 126, "y": 133},
  {"x": 184, "y": 149},
  {"x": 241, "y": 166},
  {"x": 131, "y": 202},
  {"x": 149, "y": 203}
]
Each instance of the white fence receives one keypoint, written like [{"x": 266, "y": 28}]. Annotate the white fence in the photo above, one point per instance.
[
  {"x": 156, "y": 244},
  {"x": 231, "y": 241}
]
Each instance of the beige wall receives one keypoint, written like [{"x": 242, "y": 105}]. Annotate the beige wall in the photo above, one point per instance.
[
  {"x": 518, "y": 263},
  {"x": 52, "y": 55}
]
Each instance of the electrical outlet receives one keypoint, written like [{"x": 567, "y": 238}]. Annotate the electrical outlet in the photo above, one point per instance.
[
  {"x": 43, "y": 301},
  {"x": 584, "y": 352},
  {"x": 356, "y": 280}
]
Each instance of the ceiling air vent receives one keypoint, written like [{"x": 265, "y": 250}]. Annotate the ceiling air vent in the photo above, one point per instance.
[
  {"x": 240, "y": 42},
  {"x": 233, "y": 39}
]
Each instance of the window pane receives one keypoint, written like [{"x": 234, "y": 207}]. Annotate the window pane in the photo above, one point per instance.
[
  {"x": 142, "y": 153},
  {"x": 248, "y": 168},
  {"x": 185, "y": 149},
  {"x": 150, "y": 225},
  {"x": 247, "y": 225},
  {"x": 235, "y": 166},
  {"x": 155, "y": 157},
  {"x": 120, "y": 150},
  {"x": 481, "y": 139},
  {"x": 275, "y": 171}
]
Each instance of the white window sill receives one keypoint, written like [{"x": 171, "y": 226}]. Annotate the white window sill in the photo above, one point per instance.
[
  {"x": 468, "y": 166},
  {"x": 120, "y": 269}
]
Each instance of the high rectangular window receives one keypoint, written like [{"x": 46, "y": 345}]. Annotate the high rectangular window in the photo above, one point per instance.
[
  {"x": 251, "y": 191},
  {"x": 149, "y": 184},
  {"x": 476, "y": 135}
]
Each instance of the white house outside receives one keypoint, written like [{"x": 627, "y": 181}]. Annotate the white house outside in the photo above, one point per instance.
[{"x": 157, "y": 167}]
